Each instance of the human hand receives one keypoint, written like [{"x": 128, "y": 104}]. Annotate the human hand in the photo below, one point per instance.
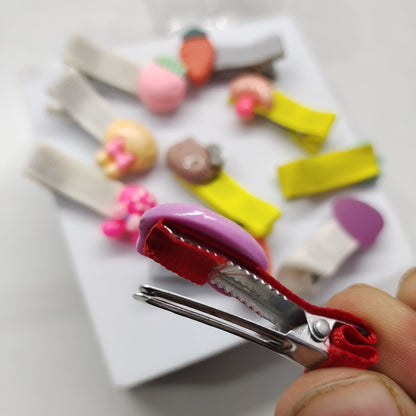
[{"x": 389, "y": 387}]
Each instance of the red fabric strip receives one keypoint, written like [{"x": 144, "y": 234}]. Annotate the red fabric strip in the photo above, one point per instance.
[
  {"x": 178, "y": 256},
  {"x": 351, "y": 345}
]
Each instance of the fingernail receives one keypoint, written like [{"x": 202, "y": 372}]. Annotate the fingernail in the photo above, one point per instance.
[{"x": 360, "y": 396}]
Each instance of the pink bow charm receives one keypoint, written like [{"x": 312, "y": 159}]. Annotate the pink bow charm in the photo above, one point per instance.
[{"x": 122, "y": 158}]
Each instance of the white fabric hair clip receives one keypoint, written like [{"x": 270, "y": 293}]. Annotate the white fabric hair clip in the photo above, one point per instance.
[
  {"x": 127, "y": 146},
  {"x": 123, "y": 205},
  {"x": 354, "y": 224}
]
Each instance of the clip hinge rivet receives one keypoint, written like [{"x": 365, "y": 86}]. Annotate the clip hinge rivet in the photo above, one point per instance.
[{"x": 321, "y": 329}]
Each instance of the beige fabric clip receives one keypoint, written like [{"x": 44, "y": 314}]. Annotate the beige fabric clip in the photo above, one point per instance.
[
  {"x": 128, "y": 147},
  {"x": 353, "y": 225},
  {"x": 82, "y": 103},
  {"x": 85, "y": 185},
  {"x": 122, "y": 205},
  {"x": 103, "y": 65}
]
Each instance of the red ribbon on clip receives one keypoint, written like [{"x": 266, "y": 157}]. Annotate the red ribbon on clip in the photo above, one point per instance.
[{"x": 351, "y": 344}]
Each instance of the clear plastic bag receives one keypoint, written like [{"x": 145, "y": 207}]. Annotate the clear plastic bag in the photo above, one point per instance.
[{"x": 174, "y": 16}]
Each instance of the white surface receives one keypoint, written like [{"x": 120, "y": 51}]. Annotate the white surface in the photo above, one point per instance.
[
  {"x": 50, "y": 360},
  {"x": 109, "y": 272}
]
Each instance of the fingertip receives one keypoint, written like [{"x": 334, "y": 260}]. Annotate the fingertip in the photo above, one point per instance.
[
  {"x": 358, "y": 299},
  {"x": 393, "y": 322},
  {"x": 345, "y": 392},
  {"x": 309, "y": 381},
  {"x": 349, "y": 295},
  {"x": 406, "y": 291}
]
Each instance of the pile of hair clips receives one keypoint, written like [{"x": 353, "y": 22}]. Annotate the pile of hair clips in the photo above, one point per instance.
[{"x": 224, "y": 246}]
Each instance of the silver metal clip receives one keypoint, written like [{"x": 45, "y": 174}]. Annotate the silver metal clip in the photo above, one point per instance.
[{"x": 306, "y": 344}]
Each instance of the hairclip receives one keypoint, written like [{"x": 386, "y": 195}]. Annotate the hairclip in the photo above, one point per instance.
[
  {"x": 199, "y": 169},
  {"x": 123, "y": 205},
  {"x": 254, "y": 94},
  {"x": 201, "y": 57},
  {"x": 160, "y": 84},
  {"x": 328, "y": 171},
  {"x": 203, "y": 247},
  {"x": 354, "y": 225},
  {"x": 128, "y": 147}
]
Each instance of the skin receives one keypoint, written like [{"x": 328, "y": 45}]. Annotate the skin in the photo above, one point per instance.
[{"x": 388, "y": 387}]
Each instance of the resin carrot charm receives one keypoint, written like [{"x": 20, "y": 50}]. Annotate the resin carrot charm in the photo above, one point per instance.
[{"x": 198, "y": 56}]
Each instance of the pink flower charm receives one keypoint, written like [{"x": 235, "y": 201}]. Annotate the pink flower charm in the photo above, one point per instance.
[{"x": 132, "y": 203}]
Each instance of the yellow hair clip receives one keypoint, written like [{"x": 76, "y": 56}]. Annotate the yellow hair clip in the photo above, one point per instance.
[
  {"x": 328, "y": 171},
  {"x": 254, "y": 94},
  {"x": 199, "y": 170}
]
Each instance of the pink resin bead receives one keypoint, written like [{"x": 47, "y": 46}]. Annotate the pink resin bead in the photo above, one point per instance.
[
  {"x": 133, "y": 202},
  {"x": 245, "y": 107}
]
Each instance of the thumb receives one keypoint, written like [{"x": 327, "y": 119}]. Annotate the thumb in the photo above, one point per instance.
[{"x": 353, "y": 392}]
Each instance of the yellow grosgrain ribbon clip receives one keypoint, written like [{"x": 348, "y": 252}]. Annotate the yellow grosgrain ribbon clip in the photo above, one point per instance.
[
  {"x": 309, "y": 128},
  {"x": 254, "y": 94},
  {"x": 328, "y": 171},
  {"x": 199, "y": 168},
  {"x": 226, "y": 197}
]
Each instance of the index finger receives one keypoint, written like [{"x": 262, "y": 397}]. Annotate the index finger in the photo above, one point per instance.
[{"x": 395, "y": 325}]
